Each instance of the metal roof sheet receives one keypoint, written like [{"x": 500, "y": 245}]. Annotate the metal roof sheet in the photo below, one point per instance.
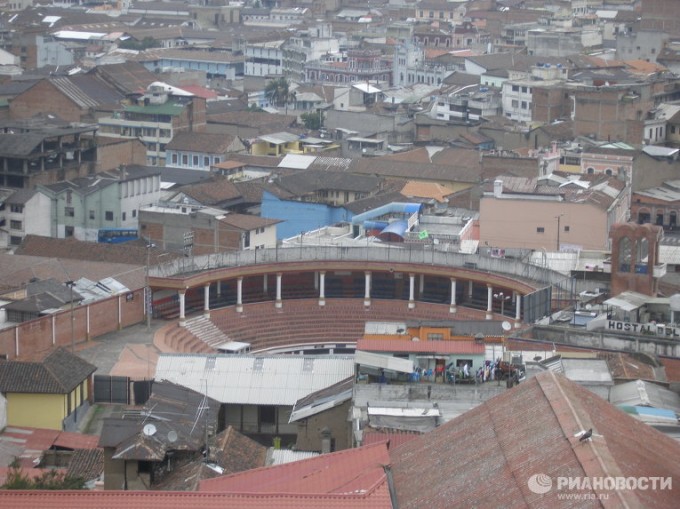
[
  {"x": 296, "y": 161},
  {"x": 247, "y": 379}
]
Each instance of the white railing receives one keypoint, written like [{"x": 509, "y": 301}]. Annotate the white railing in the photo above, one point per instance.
[{"x": 386, "y": 255}]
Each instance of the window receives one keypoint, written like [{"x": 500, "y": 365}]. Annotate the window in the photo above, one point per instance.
[
  {"x": 540, "y": 229},
  {"x": 108, "y": 215},
  {"x": 672, "y": 129},
  {"x": 69, "y": 212},
  {"x": 18, "y": 209},
  {"x": 524, "y": 89},
  {"x": 435, "y": 336},
  {"x": 524, "y": 105},
  {"x": 15, "y": 241},
  {"x": 566, "y": 228},
  {"x": 515, "y": 88},
  {"x": 174, "y": 158},
  {"x": 124, "y": 216},
  {"x": 91, "y": 214},
  {"x": 15, "y": 225},
  {"x": 206, "y": 161},
  {"x": 185, "y": 160},
  {"x": 515, "y": 103},
  {"x": 134, "y": 212},
  {"x": 68, "y": 231},
  {"x": 194, "y": 161}
]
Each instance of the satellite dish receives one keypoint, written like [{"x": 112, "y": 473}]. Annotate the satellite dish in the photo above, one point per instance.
[
  {"x": 149, "y": 430},
  {"x": 172, "y": 436},
  {"x": 506, "y": 326}
]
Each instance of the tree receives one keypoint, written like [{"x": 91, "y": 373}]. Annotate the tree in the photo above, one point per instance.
[
  {"x": 146, "y": 43},
  {"x": 17, "y": 479},
  {"x": 278, "y": 92},
  {"x": 312, "y": 120}
]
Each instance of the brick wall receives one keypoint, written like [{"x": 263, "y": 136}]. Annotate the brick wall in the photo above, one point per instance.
[
  {"x": 124, "y": 151},
  {"x": 42, "y": 333},
  {"x": 43, "y": 97}
]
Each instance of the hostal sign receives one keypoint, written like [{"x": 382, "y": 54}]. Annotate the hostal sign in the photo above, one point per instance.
[{"x": 650, "y": 329}]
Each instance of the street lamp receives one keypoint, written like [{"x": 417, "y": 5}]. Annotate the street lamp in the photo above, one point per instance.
[
  {"x": 503, "y": 298},
  {"x": 147, "y": 289},
  {"x": 71, "y": 284}
]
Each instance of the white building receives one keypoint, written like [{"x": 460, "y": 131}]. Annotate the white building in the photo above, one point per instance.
[
  {"x": 26, "y": 212},
  {"x": 264, "y": 58}
]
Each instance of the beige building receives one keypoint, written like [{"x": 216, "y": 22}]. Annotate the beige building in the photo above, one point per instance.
[{"x": 555, "y": 213}]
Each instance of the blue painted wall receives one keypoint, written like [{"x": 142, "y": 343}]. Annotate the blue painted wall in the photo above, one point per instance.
[{"x": 300, "y": 216}]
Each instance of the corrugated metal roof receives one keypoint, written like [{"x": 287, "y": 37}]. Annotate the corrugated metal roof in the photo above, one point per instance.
[
  {"x": 296, "y": 161},
  {"x": 640, "y": 393},
  {"x": 378, "y": 360},
  {"x": 283, "y": 456},
  {"x": 247, "y": 379}
]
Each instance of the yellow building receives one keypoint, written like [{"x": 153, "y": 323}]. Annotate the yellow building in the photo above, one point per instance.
[{"x": 48, "y": 392}]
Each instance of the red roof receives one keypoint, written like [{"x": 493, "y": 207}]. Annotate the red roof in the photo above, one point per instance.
[
  {"x": 30, "y": 443},
  {"x": 408, "y": 346},
  {"x": 396, "y": 438},
  {"x": 199, "y": 91},
  {"x": 357, "y": 470},
  {"x": 486, "y": 457},
  {"x": 182, "y": 500}
]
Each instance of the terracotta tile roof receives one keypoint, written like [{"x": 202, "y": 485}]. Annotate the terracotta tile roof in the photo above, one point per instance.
[
  {"x": 394, "y": 437},
  {"x": 86, "y": 463},
  {"x": 232, "y": 451},
  {"x": 17, "y": 499},
  {"x": 672, "y": 367},
  {"x": 485, "y": 457},
  {"x": 426, "y": 190},
  {"x": 17, "y": 270},
  {"x": 625, "y": 366},
  {"x": 349, "y": 471},
  {"x": 212, "y": 192},
  {"x": 132, "y": 253},
  {"x": 405, "y": 345},
  {"x": 58, "y": 373}
]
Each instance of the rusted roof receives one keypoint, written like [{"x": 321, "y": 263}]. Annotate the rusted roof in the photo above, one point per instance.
[
  {"x": 486, "y": 457},
  {"x": 201, "y": 142},
  {"x": 406, "y": 345},
  {"x": 86, "y": 463}
]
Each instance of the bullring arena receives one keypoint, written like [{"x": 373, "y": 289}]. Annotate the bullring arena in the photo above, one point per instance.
[{"x": 319, "y": 299}]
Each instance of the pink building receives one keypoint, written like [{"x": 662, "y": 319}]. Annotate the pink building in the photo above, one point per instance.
[{"x": 558, "y": 212}]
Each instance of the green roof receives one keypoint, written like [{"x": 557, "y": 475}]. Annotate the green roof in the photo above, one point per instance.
[{"x": 157, "y": 109}]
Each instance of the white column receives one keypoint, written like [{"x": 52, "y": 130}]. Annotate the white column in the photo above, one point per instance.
[
  {"x": 367, "y": 288},
  {"x": 489, "y": 302},
  {"x": 452, "y": 308},
  {"x": 182, "y": 318},
  {"x": 278, "y": 302},
  {"x": 518, "y": 309},
  {"x": 322, "y": 288},
  {"x": 411, "y": 291},
  {"x": 239, "y": 294},
  {"x": 206, "y": 300}
]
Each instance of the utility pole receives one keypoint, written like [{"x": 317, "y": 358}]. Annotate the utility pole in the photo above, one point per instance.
[
  {"x": 147, "y": 288},
  {"x": 71, "y": 284},
  {"x": 558, "y": 230}
]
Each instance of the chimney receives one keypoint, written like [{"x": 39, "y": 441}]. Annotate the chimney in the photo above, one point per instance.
[
  {"x": 497, "y": 188},
  {"x": 325, "y": 440}
]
